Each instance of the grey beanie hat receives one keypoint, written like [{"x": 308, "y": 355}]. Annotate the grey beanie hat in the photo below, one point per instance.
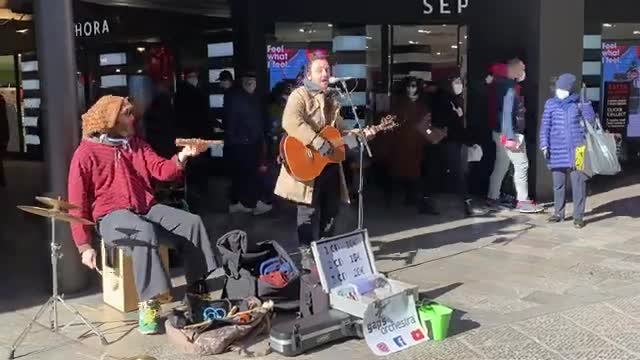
[{"x": 566, "y": 82}]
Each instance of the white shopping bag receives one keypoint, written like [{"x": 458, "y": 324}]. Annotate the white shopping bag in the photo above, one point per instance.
[{"x": 474, "y": 153}]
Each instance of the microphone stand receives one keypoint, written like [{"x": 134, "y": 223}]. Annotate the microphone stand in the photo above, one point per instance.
[{"x": 362, "y": 145}]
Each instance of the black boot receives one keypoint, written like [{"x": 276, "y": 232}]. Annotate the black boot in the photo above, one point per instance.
[
  {"x": 555, "y": 218},
  {"x": 472, "y": 211},
  {"x": 426, "y": 207}
]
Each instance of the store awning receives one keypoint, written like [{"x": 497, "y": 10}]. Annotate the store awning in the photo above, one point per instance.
[{"x": 214, "y": 8}]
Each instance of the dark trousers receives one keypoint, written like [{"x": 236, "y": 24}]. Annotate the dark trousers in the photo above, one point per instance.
[
  {"x": 451, "y": 156},
  {"x": 197, "y": 179},
  {"x": 141, "y": 235},
  {"x": 409, "y": 187},
  {"x": 243, "y": 162},
  {"x": 579, "y": 187},
  {"x": 318, "y": 220},
  {"x": 3, "y": 180}
]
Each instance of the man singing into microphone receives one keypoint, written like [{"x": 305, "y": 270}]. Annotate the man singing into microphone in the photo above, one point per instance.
[{"x": 309, "y": 109}]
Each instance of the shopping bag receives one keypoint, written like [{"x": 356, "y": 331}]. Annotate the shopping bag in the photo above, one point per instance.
[
  {"x": 600, "y": 156},
  {"x": 474, "y": 153}
]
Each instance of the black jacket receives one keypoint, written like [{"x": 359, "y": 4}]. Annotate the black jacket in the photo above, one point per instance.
[
  {"x": 192, "y": 112},
  {"x": 4, "y": 124},
  {"x": 443, "y": 115},
  {"x": 244, "y": 119}
]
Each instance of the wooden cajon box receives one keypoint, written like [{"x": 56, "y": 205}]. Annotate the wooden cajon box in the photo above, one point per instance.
[{"x": 118, "y": 285}]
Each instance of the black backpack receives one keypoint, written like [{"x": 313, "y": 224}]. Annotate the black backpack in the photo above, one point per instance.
[{"x": 242, "y": 262}]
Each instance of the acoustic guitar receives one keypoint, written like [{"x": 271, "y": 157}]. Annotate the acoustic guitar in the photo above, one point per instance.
[{"x": 305, "y": 164}]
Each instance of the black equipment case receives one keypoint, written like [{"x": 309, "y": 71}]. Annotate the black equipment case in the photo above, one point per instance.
[{"x": 301, "y": 335}]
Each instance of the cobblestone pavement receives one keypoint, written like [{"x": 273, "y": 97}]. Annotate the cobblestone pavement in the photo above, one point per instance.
[{"x": 522, "y": 289}]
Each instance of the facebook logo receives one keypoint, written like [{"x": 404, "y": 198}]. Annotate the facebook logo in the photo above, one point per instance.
[{"x": 399, "y": 341}]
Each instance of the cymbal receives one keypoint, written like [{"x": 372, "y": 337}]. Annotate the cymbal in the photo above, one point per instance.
[
  {"x": 56, "y": 203},
  {"x": 55, "y": 214}
]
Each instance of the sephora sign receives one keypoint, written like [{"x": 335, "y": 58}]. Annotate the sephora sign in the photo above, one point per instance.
[
  {"x": 92, "y": 28},
  {"x": 444, "y": 7}
]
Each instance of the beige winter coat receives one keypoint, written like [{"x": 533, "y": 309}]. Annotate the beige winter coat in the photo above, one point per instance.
[{"x": 304, "y": 116}]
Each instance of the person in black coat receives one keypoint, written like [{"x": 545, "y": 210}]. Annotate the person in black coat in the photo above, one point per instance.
[
  {"x": 448, "y": 113},
  {"x": 193, "y": 121},
  {"x": 4, "y": 138},
  {"x": 245, "y": 138}
]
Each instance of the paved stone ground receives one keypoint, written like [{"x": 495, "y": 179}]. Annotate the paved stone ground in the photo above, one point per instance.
[{"x": 522, "y": 289}]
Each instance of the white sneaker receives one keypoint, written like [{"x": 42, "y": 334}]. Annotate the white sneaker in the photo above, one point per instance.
[
  {"x": 262, "y": 208},
  {"x": 239, "y": 208}
]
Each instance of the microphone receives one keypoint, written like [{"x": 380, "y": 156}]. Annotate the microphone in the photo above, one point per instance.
[{"x": 335, "y": 80}]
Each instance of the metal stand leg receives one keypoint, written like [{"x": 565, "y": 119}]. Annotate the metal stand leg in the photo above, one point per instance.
[
  {"x": 361, "y": 187},
  {"x": 75, "y": 312},
  {"x": 26, "y": 330},
  {"x": 53, "y": 302}
]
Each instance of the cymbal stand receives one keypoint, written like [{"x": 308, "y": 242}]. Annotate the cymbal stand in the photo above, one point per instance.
[{"x": 54, "y": 300}]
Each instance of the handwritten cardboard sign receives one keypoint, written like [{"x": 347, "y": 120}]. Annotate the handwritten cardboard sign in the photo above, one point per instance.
[{"x": 343, "y": 259}]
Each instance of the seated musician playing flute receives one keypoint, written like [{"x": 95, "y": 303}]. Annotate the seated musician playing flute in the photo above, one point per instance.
[{"x": 110, "y": 179}]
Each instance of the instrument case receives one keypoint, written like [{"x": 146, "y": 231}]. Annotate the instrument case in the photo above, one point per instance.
[
  {"x": 346, "y": 259},
  {"x": 301, "y": 335}
]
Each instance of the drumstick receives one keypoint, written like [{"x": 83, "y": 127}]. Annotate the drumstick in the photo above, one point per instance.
[{"x": 266, "y": 306}]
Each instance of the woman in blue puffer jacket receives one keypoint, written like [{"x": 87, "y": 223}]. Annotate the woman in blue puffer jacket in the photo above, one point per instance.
[{"x": 561, "y": 133}]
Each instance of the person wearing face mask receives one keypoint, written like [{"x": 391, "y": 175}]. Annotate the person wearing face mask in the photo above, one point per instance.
[
  {"x": 508, "y": 134},
  {"x": 245, "y": 133},
  {"x": 404, "y": 146},
  {"x": 448, "y": 113},
  {"x": 561, "y": 133}
]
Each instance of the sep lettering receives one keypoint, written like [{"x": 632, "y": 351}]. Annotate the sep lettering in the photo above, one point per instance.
[{"x": 444, "y": 7}]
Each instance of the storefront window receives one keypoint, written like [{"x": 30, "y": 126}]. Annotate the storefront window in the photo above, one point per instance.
[
  {"x": 431, "y": 53},
  {"x": 376, "y": 56},
  {"x": 621, "y": 79}
]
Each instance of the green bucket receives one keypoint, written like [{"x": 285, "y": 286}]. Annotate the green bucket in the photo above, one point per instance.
[{"x": 434, "y": 319}]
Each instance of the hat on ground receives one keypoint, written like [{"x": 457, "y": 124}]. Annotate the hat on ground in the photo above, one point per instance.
[
  {"x": 102, "y": 116},
  {"x": 566, "y": 82}
]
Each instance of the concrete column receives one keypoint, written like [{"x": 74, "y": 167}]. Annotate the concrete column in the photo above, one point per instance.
[
  {"x": 57, "y": 63},
  {"x": 561, "y": 51},
  {"x": 250, "y": 49}
]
